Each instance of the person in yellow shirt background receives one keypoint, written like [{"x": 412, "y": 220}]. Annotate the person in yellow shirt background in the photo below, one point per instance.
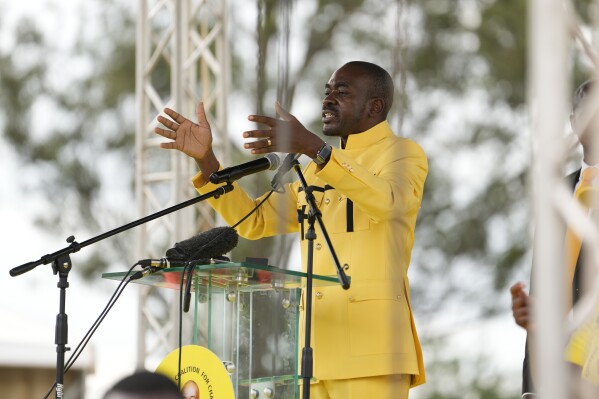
[
  {"x": 582, "y": 350},
  {"x": 369, "y": 191}
]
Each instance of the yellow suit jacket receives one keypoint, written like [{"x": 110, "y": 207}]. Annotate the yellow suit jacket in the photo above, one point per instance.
[{"x": 369, "y": 194}]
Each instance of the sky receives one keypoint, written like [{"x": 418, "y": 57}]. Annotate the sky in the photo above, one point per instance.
[{"x": 30, "y": 301}]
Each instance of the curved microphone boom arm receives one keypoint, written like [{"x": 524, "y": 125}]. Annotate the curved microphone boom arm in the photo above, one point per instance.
[
  {"x": 75, "y": 246},
  {"x": 61, "y": 265}
]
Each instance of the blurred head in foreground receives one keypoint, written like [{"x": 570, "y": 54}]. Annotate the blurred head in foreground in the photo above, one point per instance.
[{"x": 144, "y": 385}]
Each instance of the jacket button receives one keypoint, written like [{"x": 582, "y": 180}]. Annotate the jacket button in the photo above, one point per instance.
[
  {"x": 318, "y": 295},
  {"x": 318, "y": 246},
  {"x": 399, "y": 297},
  {"x": 351, "y": 298},
  {"x": 327, "y": 201}
]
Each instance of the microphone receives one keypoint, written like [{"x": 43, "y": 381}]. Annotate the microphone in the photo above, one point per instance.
[
  {"x": 208, "y": 244},
  {"x": 201, "y": 249},
  {"x": 286, "y": 166},
  {"x": 270, "y": 161}
]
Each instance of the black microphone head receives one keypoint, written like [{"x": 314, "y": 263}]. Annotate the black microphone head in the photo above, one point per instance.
[{"x": 209, "y": 244}]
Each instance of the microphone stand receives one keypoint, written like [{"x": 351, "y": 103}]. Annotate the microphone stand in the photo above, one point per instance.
[
  {"x": 313, "y": 215},
  {"x": 61, "y": 265}
]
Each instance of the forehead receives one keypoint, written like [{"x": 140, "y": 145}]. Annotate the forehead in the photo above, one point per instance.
[{"x": 348, "y": 75}]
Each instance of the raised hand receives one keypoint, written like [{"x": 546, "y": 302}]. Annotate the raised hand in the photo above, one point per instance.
[
  {"x": 521, "y": 305},
  {"x": 285, "y": 135},
  {"x": 193, "y": 139}
]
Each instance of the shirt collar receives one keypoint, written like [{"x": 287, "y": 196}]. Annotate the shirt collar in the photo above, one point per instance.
[{"x": 366, "y": 138}]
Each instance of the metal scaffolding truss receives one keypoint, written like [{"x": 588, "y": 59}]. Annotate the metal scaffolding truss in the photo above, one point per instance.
[{"x": 182, "y": 57}]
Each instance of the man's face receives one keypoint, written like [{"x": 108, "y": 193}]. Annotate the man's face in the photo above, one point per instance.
[{"x": 345, "y": 105}]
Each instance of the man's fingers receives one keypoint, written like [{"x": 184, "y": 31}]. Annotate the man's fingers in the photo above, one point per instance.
[
  {"x": 169, "y": 134},
  {"x": 177, "y": 117},
  {"x": 201, "y": 113},
  {"x": 260, "y": 146},
  {"x": 519, "y": 306},
  {"x": 168, "y": 123},
  {"x": 517, "y": 289},
  {"x": 171, "y": 145},
  {"x": 267, "y": 120},
  {"x": 257, "y": 134},
  {"x": 258, "y": 151}
]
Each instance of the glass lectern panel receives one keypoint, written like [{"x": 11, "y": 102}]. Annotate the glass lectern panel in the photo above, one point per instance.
[{"x": 248, "y": 315}]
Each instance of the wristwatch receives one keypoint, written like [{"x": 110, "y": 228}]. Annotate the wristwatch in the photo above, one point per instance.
[{"x": 323, "y": 155}]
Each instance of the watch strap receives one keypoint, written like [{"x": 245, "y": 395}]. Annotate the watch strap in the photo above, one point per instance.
[{"x": 323, "y": 154}]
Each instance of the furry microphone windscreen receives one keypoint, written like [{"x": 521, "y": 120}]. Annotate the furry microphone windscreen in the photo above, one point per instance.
[{"x": 209, "y": 244}]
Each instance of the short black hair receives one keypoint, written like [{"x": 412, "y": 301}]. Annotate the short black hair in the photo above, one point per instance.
[
  {"x": 147, "y": 383},
  {"x": 382, "y": 83},
  {"x": 581, "y": 92}
]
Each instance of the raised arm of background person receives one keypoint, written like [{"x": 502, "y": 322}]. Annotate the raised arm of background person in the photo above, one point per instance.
[{"x": 192, "y": 139}]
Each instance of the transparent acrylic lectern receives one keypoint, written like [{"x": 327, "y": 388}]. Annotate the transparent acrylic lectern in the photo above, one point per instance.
[{"x": 248, "y": 315}]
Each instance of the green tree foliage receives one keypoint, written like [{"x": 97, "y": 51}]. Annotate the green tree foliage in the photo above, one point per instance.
[
  {"x": 463, "y": 375},
  {"x": 463, "y": 63},
  {"x": 465, "y": 106},
  {"x": 89, "y": 125}
]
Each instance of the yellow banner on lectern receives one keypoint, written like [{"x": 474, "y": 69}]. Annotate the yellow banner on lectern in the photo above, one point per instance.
[{"x": 203, "y": 375}]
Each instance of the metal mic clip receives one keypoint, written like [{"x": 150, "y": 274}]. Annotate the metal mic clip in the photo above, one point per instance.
[{"x": 162, "y": 263}]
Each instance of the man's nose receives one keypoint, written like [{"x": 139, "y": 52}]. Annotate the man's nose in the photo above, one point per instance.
[{"x": 328, "y": 99}]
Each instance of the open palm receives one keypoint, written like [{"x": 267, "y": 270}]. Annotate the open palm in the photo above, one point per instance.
[{"x": 193, "y": 139}]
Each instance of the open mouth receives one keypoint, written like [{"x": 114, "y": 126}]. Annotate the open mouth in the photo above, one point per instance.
[{"x": 328, "y": 116}]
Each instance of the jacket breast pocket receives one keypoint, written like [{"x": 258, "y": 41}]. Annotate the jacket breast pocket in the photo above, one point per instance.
[
  {"x": 345, "y": 217},
  {"x": 379, "y": 321}
]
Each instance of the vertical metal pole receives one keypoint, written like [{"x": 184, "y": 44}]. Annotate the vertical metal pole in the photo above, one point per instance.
[
  {"x": 548, "y": 94},
  {"x": 142, "y": 105}
]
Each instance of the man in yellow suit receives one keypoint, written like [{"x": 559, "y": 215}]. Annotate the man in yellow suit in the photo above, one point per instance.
[{"x": 369, "y": 192}]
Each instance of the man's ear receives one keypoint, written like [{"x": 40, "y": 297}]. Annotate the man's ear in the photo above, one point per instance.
[{"x": 377, "y": 105}]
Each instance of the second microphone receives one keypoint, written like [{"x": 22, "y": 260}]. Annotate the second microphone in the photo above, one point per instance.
[{"x": 228, "y": 175}]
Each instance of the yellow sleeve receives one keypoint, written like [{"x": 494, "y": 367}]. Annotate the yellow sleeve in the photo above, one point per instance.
[
  {"x": 576, "y": 351},
  {"x": 583, "y": 348},
  {"x": 277, "y": 215}
]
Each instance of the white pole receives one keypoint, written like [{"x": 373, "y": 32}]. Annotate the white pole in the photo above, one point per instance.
[{"x": 548, "y": 99}]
